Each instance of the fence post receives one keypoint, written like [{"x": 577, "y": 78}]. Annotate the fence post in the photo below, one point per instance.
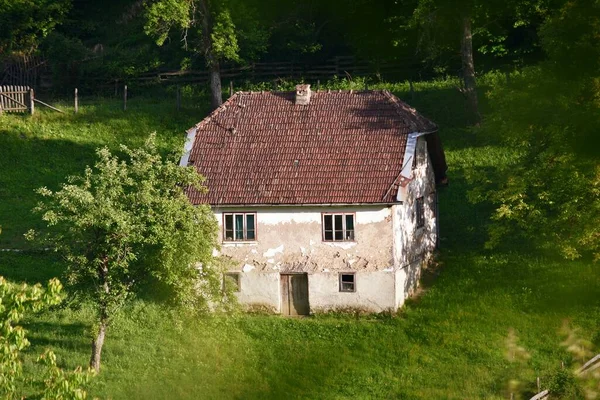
[
  {"x": 412, "y": 89},
  {"x": 231, "y": 88},
  {"x": 539, "y": 389},
  {"x": 31, "y": 104},
  {"x": 178, "y": 97},
  {"x": 125, "y": 98},
  {"x": 76, "y": 102},
  {"x": 318, "y": 85}
]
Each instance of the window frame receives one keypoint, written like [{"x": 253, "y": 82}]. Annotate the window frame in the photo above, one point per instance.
[
  {"x": 340, "y": 286},
  {"x": 344, "y": 230},
  {"x": 244, "y": 229},
  {"x": 420, "y": 212},
  {"x": 238, "y": 280}
]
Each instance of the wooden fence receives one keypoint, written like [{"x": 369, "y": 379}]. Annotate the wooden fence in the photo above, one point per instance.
[
  {"x": 23, "y": 70},
  {"x": 16, "y": 99},
  {"x": 591, "y": 365},
  {"x": 338, "y": 66}
]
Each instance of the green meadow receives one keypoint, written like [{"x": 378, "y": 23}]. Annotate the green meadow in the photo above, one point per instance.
[{"x": 456, "y": 340}]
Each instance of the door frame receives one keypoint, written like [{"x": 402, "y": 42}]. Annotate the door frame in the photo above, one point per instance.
[{"x": 288, "y": 274}]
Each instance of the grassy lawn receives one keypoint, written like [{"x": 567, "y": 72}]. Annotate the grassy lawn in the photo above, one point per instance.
[{"x": 450, "y": 343}]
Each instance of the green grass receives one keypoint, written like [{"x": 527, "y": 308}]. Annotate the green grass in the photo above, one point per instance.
[
  {"x": 450, "y": 343},
  {"x": 42, "y": 150}
]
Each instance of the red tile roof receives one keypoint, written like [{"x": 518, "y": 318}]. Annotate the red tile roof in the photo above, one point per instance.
[{"x": 343, "y": 148}]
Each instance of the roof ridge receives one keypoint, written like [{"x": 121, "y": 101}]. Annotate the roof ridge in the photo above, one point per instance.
[
  {"x": 402, "y": 107},
  {"x": 218, "y": 110},
  {"x": 255, "y": 92}
]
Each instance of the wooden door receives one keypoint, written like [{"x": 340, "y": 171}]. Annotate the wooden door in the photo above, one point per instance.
[{"x": 294, "y": 294}]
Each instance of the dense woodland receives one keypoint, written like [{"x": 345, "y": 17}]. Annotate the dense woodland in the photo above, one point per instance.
[
  {"x": 515, "y": 89},
  {"x": 87, "y": 42}
]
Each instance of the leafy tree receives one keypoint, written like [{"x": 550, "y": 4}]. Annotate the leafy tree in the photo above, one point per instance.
[
  {"x": 61, "y": 385},
  {"x": 549, "y": 115},
  {"x": 126, "y": 227},
  {"x": 26, "y": 22},
  {"x": 446, "y": 23},
  {"x": 207, "y": 27},
  {"x": 17, "y": 301}
]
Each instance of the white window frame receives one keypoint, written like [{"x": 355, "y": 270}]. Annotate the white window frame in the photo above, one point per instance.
[
  {"x": 344, "y": 230},
  {"x": 244, "y": 237}
]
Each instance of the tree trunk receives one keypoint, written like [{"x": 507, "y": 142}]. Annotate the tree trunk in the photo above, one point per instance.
[
  {"x": 468, "y": 69},
  {"x": 216, "y": 95},
  {"x": 97, "y": 344}
]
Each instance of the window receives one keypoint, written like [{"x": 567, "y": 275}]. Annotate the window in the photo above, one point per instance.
[
  {"x": 347, "y": 282},
  {"x": 239, "y": 226},
  {"x": 232, "y": 280},
  {"x": 420, "y": 210},
  {"x": 338, "y": 227}
]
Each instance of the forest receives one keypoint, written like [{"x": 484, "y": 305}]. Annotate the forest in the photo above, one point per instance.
[{"x": 511, "y": 305}]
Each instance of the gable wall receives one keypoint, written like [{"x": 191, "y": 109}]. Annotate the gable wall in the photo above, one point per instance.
[{"x": 412, "y": 246}]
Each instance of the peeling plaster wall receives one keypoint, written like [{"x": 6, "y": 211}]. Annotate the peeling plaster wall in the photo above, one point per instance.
[
  {"x": 387, "y": 255},
  {"x": 260, "y": 290},
  {"x": 289, "y": 239},
  {"x": 374, "y": 292},
  {"x": 412, "y": 245}
]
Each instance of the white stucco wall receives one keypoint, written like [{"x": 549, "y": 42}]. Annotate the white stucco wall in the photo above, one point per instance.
[
  {"x": 260, "y": 291},
  {"x": 412, "y": 245},
  {"x": 374, "y": 292}
]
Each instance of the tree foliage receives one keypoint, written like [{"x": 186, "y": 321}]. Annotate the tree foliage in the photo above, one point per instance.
[
  {"x": 126, "y": 227},
  {"x": 26, "y": 22},
  {"x": 231, "y": 22},
  {"x": 551, "y": 194},
  {"x": 17, "y": 302}
]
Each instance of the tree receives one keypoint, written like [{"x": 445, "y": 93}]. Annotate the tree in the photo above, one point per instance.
[
  {"x": 126, "y": 227},
  {"x": 447, "y": 23},
  {"x": 549, "y": 114},
  {"x": 26, "y": 22},
  {"x": 207, "y": 27},
  {"x": 17, "y": 301}
]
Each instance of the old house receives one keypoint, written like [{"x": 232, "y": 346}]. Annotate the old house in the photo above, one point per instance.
[{"x": 326, "y": 200}]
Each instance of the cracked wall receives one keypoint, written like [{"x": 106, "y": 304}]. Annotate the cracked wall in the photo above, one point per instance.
[{"x": 289, "y": 239}]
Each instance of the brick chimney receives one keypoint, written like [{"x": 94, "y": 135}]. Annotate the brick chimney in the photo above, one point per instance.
[{"x": 302, "y": 94}]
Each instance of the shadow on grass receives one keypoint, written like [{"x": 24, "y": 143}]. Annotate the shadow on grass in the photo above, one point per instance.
[
  {"x": 30, "y": 267},
  {"x": 61, "y": 335},
  {"x": 27, "y": 164}
]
